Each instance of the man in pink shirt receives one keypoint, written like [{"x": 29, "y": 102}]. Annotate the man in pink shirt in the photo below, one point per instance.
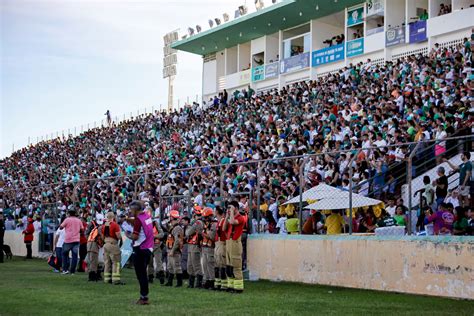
[{"x": 73, "y": 228}]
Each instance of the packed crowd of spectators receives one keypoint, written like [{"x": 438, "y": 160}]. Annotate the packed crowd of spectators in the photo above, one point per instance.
[{"x": 415, "y": 99}]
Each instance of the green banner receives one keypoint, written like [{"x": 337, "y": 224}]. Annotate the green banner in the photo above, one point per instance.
[{"x": 355, "y": 16}]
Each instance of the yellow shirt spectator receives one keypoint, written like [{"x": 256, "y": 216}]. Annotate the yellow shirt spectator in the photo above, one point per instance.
[
  {"x": 292, "y": 225},
  {"x": 334, "y": 224}
]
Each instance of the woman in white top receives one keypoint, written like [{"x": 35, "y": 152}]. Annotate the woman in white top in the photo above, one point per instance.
[{"x": 59, "y": 236}]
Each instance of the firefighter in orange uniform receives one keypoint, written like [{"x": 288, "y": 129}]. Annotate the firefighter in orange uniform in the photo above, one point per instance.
[
  {"x": 28, "y": 238},
  {"x": 208, "y": 246},
  {"x": 219, "y": 252},
  {"x": 112, "y": 253},
  {"x": 234, "y": 223},
  {"x": 156, "y": 264},
  {"x": 193, "y": 236},
  {"x": 174, "y": 244},
  {"x": 94, "y": 243}
]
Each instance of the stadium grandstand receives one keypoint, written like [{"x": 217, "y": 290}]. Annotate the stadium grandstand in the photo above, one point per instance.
[{"x": 372, "y": 101}]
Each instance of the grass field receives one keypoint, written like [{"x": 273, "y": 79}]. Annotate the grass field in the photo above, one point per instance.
[{"x": 30, "y": 288}]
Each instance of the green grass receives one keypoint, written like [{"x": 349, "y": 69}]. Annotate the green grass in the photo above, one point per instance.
[{"x": 30, "y": 288}]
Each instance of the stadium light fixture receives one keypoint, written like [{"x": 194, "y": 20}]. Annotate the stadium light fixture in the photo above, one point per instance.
[
  {"x": 211, "y": 23},
  {"x": 259, "y": 5},
  {"x": 190, "y": 31},
  {"x": 226, "y": 17},
  {"x": 242, "y": 10},
  {"x": 198, "y": 28},
  {"x": 317, "y": 7},
  {"x": 301, "y": 13},
  {"x": 218, "y": 21}
]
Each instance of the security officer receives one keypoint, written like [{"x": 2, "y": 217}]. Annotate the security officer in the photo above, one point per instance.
[
  {"x": 157, "y": 268},
  {"x": 193, "y": 236},
  {"x": 234, "y": 223},
  {"x": 219, "y": 251},
  {"x": 208, "y": 245},
  {"x": 112, "y": 254},
  {"x": 174, "y": 244},
  {"x": 94, "y": 243}
]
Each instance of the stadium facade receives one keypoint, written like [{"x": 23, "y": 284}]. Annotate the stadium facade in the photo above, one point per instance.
[{"x": 298, "y": 40}]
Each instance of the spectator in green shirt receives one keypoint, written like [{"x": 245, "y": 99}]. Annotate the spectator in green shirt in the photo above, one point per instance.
[
  {"x": 385, "y": 219},
  {"x": 461, "y": 223},
  {"x": 424, "y": 16}
]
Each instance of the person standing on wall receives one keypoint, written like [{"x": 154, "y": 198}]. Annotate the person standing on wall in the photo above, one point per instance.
[
  {"x": 143, "y": 241},
  {"x": 234, "y": 223},
  {"x": 73, "y": 228},
  {"x": 28, "y": 238}
]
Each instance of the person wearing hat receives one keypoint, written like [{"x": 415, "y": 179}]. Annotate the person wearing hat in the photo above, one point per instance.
[
  {"x": 174, "y": 244},
  {"x": 112, "y": 255},
  {"x": 193, "y": 236},
  {"x": 94, "y": 243},
  {"x": 234, "y": 226},
  {"x": 208, "y": 245},
  {"x": 28, "y": 237},
  {"x": 143, "y": 240}
]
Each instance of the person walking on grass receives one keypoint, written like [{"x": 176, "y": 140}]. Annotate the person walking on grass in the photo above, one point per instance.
[
  {"x": 143, "y": 240},
  {"x": 73, "y": 228}
]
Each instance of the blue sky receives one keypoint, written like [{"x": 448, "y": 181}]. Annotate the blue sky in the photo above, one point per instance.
[{"x": 64, "y": 63}]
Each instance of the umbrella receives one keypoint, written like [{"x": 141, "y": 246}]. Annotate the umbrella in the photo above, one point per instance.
[
  {"x": 316, "y": 193},
  {"x": 341, "y": 202}
]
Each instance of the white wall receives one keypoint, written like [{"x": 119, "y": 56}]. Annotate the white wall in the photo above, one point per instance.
[
  {"x": 323, "y": 31},
  {"x": 395, "y": 13},
  {"x": 209, "y": 82},
  {"x": 374, "y": 42},
  {"x": 363, "y": 58},
  {"x": 220, "y": 66},
  {"x": 14, "y": 239},
  {"x": 297, "y": 76},
  {"x": 451, "y": 22},
  {"x": 258, "y": 45},
  {"x": 231, "y": 60},
  {"x": 244, "y": 56},
  {"x": 458, "y": 4},
  {"x": 272, "y": 46}
]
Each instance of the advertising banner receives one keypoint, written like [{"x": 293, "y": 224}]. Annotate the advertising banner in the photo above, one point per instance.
[
  {"x": 355, "y": 47},
  {"x": 395, "y": 36},
  {"x": 271, "y": 70},
  {"x": 418, "y": 31},
  {"x": 244, "y": 77},
  {"x": 294, "y": 63},
  {"x": 355, "y": 16},
  {"x": 328, "y": 55},
  {"x": 375, "y": 7},
  {"x": 258, "y": 73}
]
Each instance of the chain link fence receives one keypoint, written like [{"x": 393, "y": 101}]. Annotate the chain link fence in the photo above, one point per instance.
[{"x": 340, "y": 191}]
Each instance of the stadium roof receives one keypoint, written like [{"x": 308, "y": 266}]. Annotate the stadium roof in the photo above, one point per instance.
[{"x": 280, "y": 16}]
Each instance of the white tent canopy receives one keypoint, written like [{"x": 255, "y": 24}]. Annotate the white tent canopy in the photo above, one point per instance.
[
  {"x": 341, "y": 201},
  {"x": 317, "y": 193}
]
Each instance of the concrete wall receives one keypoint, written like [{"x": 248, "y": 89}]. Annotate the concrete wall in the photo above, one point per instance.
[
  {"x": 440, "y": 266},
  {"x": 14, "y": 239}
]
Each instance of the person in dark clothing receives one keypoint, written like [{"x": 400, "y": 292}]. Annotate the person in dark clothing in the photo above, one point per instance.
[
  {"x": 2, "y": 234},
  {"x": 441, "y": 186}
]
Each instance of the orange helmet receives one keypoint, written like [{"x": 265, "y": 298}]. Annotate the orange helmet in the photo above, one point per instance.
[
  {"x": 197, "y": 210},
  {"x": 207, "y": 212},
  {"x": 174, "y": 214}
]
